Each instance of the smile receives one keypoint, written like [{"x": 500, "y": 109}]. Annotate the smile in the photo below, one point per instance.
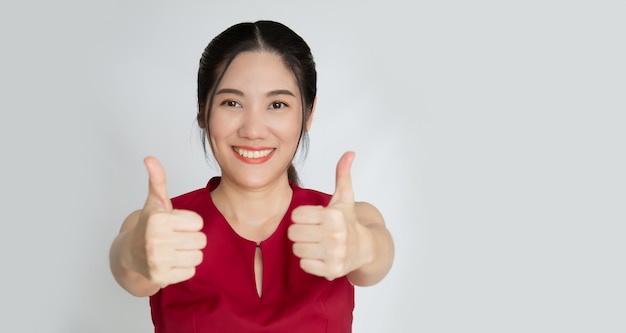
[{"x": 253, "y": 155}]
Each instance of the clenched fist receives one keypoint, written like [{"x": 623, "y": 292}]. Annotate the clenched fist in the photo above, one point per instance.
[
  {"x": 328, "y": 239},
  {"x": 165, "y": 244}
]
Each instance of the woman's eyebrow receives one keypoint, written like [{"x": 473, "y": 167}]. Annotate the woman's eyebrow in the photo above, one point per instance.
[
  {"x": 280, "y": 92},
  {"x": 229, "y": 91},
  {"x": 269, "y": 94}
]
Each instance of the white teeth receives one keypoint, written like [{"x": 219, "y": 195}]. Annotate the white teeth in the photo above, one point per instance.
[{"x": 253, "y": 153}]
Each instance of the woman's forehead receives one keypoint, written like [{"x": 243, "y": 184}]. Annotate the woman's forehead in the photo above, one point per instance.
[{"x": 259, "y": 70}]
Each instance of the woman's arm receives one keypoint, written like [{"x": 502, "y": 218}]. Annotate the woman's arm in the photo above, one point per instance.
[
  {"x": 375, "y": 244},
  {"x": 121, "y": 262}
]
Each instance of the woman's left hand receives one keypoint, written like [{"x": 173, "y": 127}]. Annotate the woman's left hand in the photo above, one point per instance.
[{"x": 329, "y": 241}]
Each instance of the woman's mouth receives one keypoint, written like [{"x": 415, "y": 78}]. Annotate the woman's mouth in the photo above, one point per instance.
[{"x": 253, "y": 155}]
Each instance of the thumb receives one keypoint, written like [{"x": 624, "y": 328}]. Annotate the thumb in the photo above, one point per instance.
[
  {"x": 343, "y": 182},
  {"x": 157, "y": 186}
]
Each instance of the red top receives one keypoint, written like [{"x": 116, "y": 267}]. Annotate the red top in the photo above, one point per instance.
[{"x": 222, "y": 296}]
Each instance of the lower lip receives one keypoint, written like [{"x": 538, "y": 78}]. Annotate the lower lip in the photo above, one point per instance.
[{"x": 254, "y": 160}]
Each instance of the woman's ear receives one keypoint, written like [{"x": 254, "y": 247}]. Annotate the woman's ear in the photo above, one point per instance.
[
  {"x": 201, "y": 113},
  {"x": 310, "y": 119}
]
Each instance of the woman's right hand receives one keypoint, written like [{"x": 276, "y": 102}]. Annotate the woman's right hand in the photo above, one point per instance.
[{"x": 165, "y": 245}]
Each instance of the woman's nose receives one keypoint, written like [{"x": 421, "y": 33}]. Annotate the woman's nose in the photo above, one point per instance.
[{"x": 254, "y": 124}]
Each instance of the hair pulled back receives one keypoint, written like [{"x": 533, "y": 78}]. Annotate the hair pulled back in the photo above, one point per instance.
[{"x": 266, "y": 36}]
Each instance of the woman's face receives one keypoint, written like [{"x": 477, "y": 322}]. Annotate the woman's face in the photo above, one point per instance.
[{"x": 255, "y": 120}]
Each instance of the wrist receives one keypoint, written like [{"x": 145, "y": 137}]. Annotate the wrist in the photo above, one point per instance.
[
  {"x": 366, "y": 245},
  {"x": 125, "y": 252}
]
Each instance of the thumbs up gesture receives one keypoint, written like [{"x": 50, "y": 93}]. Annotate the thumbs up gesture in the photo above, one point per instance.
[
  {"x": 166, "y": 244},
  {"x": 329, "y": 240}
]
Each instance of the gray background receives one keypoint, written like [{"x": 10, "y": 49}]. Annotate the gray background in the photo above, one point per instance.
[{"x": 489, "y": 133}]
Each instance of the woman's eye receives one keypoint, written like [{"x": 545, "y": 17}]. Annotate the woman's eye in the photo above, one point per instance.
[
  {"x": 231, "y": 103},
  {"x": 277, "y": 105}
]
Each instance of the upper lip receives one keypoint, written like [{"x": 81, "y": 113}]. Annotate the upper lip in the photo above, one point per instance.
[{"x": 249, "y": 148}]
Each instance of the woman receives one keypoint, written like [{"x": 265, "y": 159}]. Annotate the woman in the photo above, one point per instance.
[{"x": 252, "y": 251}]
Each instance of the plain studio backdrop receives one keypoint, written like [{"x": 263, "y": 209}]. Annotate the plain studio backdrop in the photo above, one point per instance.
[{"x": 489, "y": 133}]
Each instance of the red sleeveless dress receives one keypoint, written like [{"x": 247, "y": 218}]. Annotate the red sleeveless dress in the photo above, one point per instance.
[{"x": 222, "y": 296}]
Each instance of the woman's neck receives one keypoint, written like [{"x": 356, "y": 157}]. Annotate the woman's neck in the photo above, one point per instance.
[{"x": 253, "y": 213}]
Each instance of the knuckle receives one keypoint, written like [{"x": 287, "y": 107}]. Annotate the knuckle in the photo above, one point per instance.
[
  {"x": 154, "y": 264},
  {"x": 199, "y": 257},
  {"x": 158, "y": 278},
  {"x": 156, "y": 258},
  {"x": 292, "y": 231},
  {"x": 198, "y": 240},
  {"x": 340, "y": 236},
  {"x": 187, "y": 274},
  {"x": 340, "y": 253},
  {"x": 154, "y": 217},
  {"x": 335, "y": 215},
  {"x": 151, "y": 253},
  {"x": 336, "y": 270},
  {"x": 203, "y": 240},
  {"x": 297, "y": 249},
  {"x": 198, "y": 219},
  {"x": 155, "y": 224}
]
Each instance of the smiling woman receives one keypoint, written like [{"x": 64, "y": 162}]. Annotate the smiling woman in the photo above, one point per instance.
[
  {"x": 252, "y": 251},
  {"x": 255, "y": 116}
]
